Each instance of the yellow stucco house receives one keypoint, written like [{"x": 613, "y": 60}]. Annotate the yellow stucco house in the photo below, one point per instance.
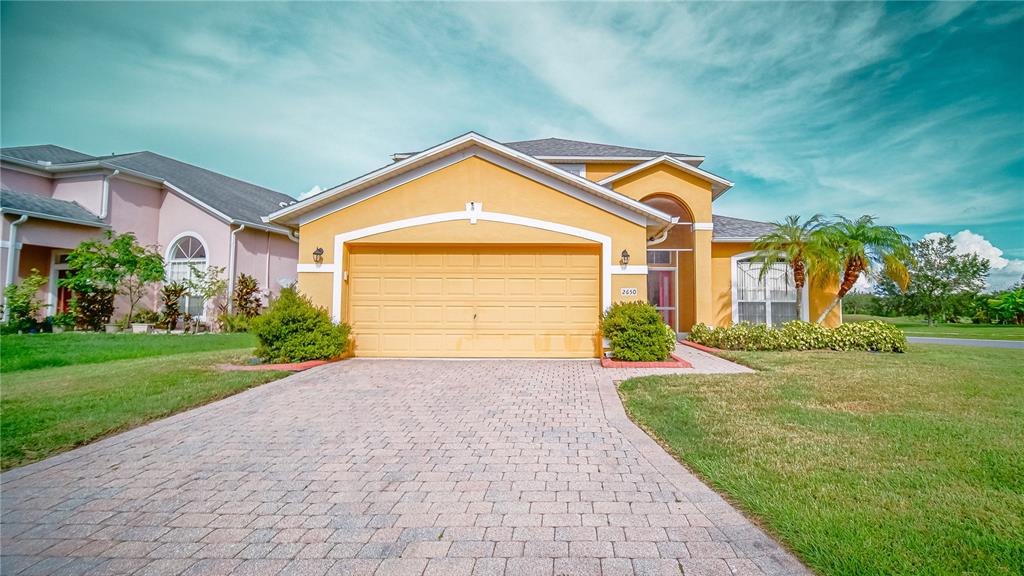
[{"x": 475, "y": 248}]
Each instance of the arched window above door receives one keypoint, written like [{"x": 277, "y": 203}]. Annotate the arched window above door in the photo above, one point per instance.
[{"x": 681, "y": 235}]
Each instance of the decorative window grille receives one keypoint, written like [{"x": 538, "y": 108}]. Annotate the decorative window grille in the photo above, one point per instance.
[
  {"x": 187, "y": 257},
  {"x": 771, "y": 300}
]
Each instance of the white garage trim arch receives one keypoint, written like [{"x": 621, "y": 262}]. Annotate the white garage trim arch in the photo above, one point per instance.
[{"x": 473, "y": 212}]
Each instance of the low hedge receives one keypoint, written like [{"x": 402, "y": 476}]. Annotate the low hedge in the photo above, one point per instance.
[
  {"x": 637, "y": 333},
  {"x": 798, "y": 335}
]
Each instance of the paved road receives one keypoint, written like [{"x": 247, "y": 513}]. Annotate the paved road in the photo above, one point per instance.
[
  {"x": 384, "y": 467},
  {"x": 966, "y": 342}
]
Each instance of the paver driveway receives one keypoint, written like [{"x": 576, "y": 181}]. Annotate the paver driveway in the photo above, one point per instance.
[{"x": 384, "y": 467}]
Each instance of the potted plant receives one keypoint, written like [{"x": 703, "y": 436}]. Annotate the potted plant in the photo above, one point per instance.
[
  {"x": 143, "y": 321},
  {"x": 62, "y": 321}
]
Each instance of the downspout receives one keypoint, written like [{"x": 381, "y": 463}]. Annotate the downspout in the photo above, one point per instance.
[
  {"x": 231, "y": 267},
  {"x": 105, "y": 200},
  {"x": 12, "y": 259},
  {"x": 269, "y": 246}
]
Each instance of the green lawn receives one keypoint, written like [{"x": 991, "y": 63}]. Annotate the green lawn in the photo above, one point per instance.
[
  {"x": 861, "y": 463},
  {"x": 45, "y": 411},
  {"x": 28, "y": 351},
  {"x": 918, "y": 327}
]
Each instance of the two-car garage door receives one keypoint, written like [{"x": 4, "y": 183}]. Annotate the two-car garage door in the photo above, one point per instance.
[{"x": 474, "y": 301}]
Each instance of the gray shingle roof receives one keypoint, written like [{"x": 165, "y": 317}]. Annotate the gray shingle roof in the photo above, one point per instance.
[
  {"x": 239, "y": 200},
  {"x": 727, "y": 228},
  {"x": 562, "y": 147},
  {"x": 46, "y": 153},
  {"x": 22, "y": 202}
]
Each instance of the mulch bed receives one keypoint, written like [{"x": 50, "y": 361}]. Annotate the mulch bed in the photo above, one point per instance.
[{"x": 676, "y": 362}]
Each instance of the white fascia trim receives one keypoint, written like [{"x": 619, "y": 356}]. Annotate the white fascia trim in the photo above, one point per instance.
[
  {"x": 487, "y": 144},
  {"x": 703, "y": 226},
  {"x": 629, "y": 270},
  {"x": 41, "y": 216},
  {"x": 469, "y": 214},
  {"x": 264, "y": 227},
  {"x": 588, "y": 159},
  {"x": 18, "y": 165},
  {"x": 805, "y": 304},
  {"x": 722, "y": 183}
]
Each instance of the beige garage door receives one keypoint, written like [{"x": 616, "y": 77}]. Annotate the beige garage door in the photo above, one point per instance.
[{"x": 477, "y": 301}]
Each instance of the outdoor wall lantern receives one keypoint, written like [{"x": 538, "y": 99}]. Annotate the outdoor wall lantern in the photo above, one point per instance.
[
  {"x": 318, "y": 255},
  {"x": 625, "y": 257}
]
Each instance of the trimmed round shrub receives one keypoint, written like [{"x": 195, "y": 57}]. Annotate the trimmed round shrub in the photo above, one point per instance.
[
  {"x": 294, "y": 330},
  {"x": 798, "y": 335},
  {"x": 636, "y": 332}
]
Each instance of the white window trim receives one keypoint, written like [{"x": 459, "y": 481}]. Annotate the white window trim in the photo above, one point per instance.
[
  {"x": 675, "y": 288},
  {"x": 206, "y": 250},
  {"x": 51, "y": 295},
  {"x": 735, "y": 260}
]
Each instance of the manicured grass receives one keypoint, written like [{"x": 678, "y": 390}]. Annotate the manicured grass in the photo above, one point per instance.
[
  {"x": 30, "y": 351},
  {"x": 862, "y": 463},
  {"x": 51, "y": 410},
  {"x": 918, "y": 327}
]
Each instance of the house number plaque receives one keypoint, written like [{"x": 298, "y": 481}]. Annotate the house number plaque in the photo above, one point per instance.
[{"x": 628, "y": 292}]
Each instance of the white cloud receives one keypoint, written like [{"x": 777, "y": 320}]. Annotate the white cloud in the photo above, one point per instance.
[
  {"x": 1003, "y": 272},
  {"x": 312, "y": 192}
]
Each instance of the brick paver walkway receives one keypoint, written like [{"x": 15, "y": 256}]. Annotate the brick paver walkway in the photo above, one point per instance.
[{"x": 384, "y": 467}]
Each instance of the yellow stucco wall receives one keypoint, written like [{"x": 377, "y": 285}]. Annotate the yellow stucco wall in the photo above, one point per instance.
[
  {"x": 448, "y": 190},
  {"x": 638, "y": 281},
  {"x": 694, "y": 295},
  {"x": 598, "y": 172},
  {"x": 482, "y": 232},
  {"x": 317, "y": 286},
  {"x": 665, "y": 179},
  {"x": 721, "y": 287}
]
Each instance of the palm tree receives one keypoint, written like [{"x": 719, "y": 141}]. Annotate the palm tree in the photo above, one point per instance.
[
  {"x": 797, "y": 244},
  {"x": 861, "y": 246}
]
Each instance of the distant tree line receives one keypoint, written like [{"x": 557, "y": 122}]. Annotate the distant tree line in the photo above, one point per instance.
[{"x": 944, "y": 287}]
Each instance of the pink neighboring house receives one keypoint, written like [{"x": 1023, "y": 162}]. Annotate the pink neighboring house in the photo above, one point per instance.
[{"x": 52, "y": 198}]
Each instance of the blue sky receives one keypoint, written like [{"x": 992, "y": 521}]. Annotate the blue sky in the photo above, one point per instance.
[{"x": 913, "y": 112}]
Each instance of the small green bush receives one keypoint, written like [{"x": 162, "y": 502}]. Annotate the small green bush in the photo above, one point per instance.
[
  {"x": 798, "y": 335},
  {"x": 171, "y": 294},
  {"x": 246, "y": 296},
  {"x": 234, "y": 322},
  {"x": 63, "y": 320},
  {"x": 145, "y": 316},
  {"x": 92, "y": 309},
  {"x": 636, "y": 332},
  {"x": 22, "y": 304},
  {"x": 294, "y": 330}
]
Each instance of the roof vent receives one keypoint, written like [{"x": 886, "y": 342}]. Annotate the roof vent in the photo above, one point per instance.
[{"x": 43, "y": 162}]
